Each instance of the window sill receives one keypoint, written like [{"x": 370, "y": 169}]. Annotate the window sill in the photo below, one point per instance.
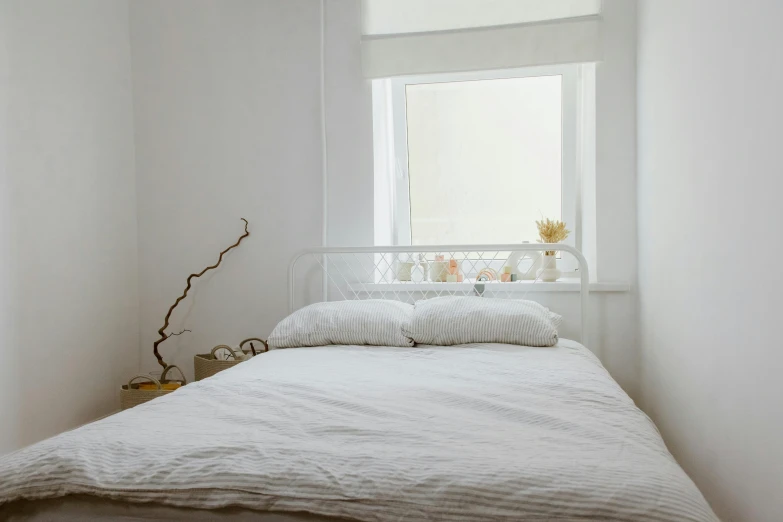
[{"x": 517, "y": 286}]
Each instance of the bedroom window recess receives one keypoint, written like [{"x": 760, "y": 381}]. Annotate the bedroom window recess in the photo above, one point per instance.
[{"x": 477, "y": 158}]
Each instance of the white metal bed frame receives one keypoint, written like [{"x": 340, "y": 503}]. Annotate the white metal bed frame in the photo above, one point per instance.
[{"x": 340, "y": 273}]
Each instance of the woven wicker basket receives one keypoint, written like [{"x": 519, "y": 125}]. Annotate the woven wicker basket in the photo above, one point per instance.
[
  {"x": 131, "y": 395},
  {"x": 207, "y": 364}
]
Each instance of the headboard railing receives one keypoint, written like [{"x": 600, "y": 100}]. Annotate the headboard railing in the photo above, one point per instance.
[{"x": 397, "y": 272}]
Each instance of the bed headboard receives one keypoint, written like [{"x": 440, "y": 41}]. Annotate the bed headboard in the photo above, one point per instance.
[{"x": 396, "y": 273}]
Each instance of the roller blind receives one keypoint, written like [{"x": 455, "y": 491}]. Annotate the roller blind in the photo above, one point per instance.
[{"x": 403, "y": 37}]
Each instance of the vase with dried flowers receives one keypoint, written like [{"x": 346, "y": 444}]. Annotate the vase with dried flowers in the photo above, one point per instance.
[{"x": 550, "y": 231}]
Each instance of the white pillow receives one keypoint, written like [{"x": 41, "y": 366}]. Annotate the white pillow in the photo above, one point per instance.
[
  {"x": 453, "y": 320},
  {"x": 371, "y": 322}
]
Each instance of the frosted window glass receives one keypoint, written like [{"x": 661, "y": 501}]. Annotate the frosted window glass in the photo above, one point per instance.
[{"x": 484, "y": 159}]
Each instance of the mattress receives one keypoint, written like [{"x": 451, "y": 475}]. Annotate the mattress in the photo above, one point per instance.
[{"x": 461, "y": 433}]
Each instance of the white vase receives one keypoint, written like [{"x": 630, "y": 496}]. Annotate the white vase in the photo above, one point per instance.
[
  {"x": 548, "y": 271},
  {"x": 404, "y": 271},
  {"x": 438, "y": 271}
]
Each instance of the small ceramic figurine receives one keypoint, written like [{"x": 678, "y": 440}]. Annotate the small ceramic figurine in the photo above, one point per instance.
[
  {"x": 505, "y": 277},
  {"x": 439, "y": 269},
  {"x": 455, "y": 276},
  {"x": 487, "y": 274}
]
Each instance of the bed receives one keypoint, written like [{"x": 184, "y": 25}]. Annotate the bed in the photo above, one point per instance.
[{"x": 475, "y": 431}]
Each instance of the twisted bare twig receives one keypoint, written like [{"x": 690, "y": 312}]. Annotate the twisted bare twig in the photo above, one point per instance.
[{"x": 162, "y": 331}]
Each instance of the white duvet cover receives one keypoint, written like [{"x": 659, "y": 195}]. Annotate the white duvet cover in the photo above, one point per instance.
[{"x": 462, "y": 433}]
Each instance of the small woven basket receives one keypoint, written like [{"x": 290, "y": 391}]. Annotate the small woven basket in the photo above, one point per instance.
[
  {"x": 207, "y": 364},
  {"x": 131, "y": 395}
]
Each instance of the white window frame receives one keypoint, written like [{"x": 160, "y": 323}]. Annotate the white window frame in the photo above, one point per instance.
[{"x": 392, "y": 213}]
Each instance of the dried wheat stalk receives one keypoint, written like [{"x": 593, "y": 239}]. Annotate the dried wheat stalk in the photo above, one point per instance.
[{"x": 552, "y": 232}]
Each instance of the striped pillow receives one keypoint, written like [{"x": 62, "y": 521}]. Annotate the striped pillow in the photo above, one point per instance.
[
  {"x": 371, "y": 322},
  {"x": 453, "y": 320}
]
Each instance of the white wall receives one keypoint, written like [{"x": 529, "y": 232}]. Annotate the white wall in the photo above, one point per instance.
[
  {"x": 227, "y": 113},
  {"x": 614, "y": 332},
  {"x": 710, "y": 182},
  {"x": 348, "y": 99},
  {"x": 9, "y": 393},
  {"x": 69, "y": 267}
]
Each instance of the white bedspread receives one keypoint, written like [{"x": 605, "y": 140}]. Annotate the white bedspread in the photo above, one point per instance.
[{"x": 473, "y": 432}]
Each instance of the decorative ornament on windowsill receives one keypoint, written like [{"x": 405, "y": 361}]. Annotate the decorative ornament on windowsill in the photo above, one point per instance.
[{"x": 550, "y": 232}]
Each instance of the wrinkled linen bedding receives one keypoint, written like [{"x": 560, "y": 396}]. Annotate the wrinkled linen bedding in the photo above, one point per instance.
[{"x": 460, "y": 433}]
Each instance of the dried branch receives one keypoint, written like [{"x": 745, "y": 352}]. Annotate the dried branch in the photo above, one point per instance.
[
  {"x": 162, "y": 331},
  {"x": 179, "y": 333}
]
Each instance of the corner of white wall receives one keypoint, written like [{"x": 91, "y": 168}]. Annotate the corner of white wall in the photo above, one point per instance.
[
  {"x": 67, "y": 230},
  {"x": 227, "y": 105},
  {"x": 615, "y": 316},
  {"x": 348, "y": 111},
  {"x": 709, "y": 192}
]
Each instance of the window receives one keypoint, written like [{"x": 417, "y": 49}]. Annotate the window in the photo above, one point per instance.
[{"x": 476, "y": 158}]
